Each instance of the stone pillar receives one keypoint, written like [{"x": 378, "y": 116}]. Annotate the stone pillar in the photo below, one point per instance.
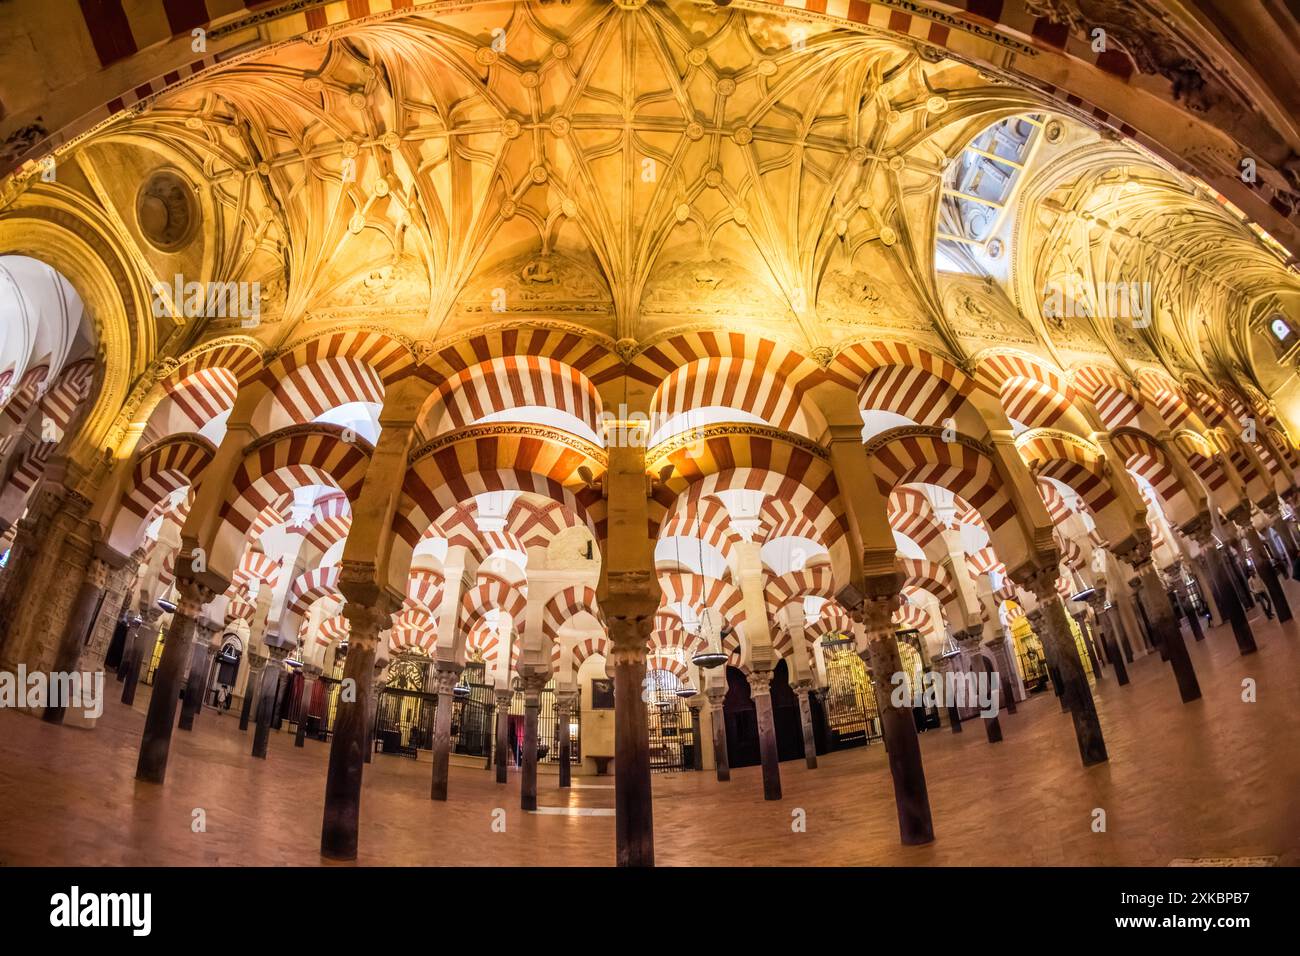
[
  {"x": 1185, "y": 609},
  {"x": 760, "y": 689},
  {"x": 1264, "y": 565},
  {"x": 1081, "y": 621},
  {"x": 717, "y": 694},
  {"x": 133, "y": 622},
  {"x": 1284, "y": 534},
  {"x": 696, "y": 704},
  {"x": 633, "y": 812},
  {"x": 1106, "y": 629},
  {"x": 309, "y": 673},
  {"x": 81, "y": 618},
  {"x": 371, "y": 714},
  {"x": 1008, "y": 676},
  {"x": 503, "y": 733},
  {"x": 445, "y": 675},
  {"x": 802, "y": 690},
  {"x": 533, "y": 682},
  {"x": 1221, "y": 575},
  {"x": 911, "y": 797},
  {"x": 200, "y": 666},
  {"x": 268, "y": 695},
  {"x": 343, "y": 778},
  {"x": 142, "y": 649},
  {"x": 564, "y": 701},
  {"x": 1074, "y": 685},
  {"x": 157, "y": 738},
  {"x": 252, "y": 687}
]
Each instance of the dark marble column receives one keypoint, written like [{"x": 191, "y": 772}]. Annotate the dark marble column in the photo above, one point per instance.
[
  {"x": 343, "y": 778},
  {"x": 1283, "y": 530},
  {"x": 133, "y": 623},
  {"x": 533, "y": 683},
  {"x": 1078, "y": 696},
  {"x": 1105, "y": 617},
  {"x": 200, "y": 664},
  {"x": 697, "y": 733},
  {"x": 1221, "y": 575},
  {"x": 445, "y": 675},
  {"x": 633, "y": 811},
  {"x": 81, "y": 618},
  {"x": 717, "y": 694},
  {"x": 267, "y": 698},
  {"x": 154, "y": 745},
  {"x": 1185, "y": 609},
  {"x": 146, "y": 644},
  {"x": 309, "y": 675},
  {"x": 802, "y": 690},
  {"x": 1165, "y": 624},
  {"x": 503, "y": 698},
  {"x": 252, "y": 688},
  {"x": 997, "y": 647},
  {"x": 1264, "y": 566},
  {"x": 372, "y": 708},
  {"x": 1081, "y": 620},
  {"x": 911, "y": 797},
  {"x": 760, "y": 689},
  {"x": 564, "y": 703}
]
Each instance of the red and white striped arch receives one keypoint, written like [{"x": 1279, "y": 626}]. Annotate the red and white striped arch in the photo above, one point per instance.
[
  {"x": 904, "y": 379},
  {"x": 489, "y": 593},
  {"x": 698, "y": 592},
  {"x": 1167, "y": 396},
  {"x": 911, "y": 515},
  {"x": 780, "y": 519},
  {"x": 239, "y": 608},
  {"x": 911, "y": 616},
  {"x": 1031, "y": 392},
  {"x": 160, "y": 470},
  {"x": 590, "y": 355},
  {"x": 413, "y": 627},
  {"x": 1203, "y": 459},
  {"x": 1082, "y": 469},
  {"x": 567, "y": 603},
  {"x": 832, "y": 619},
  {"x": 310, "y": 587},
  {"x": 780, "y": 590},
  {"x": 25, "y": 393},
  {"x": 758, "y": 357},
  {"x": 511, "y": 381},
  {"x": 1144, "y": 455},
  {"x": 767, "y": 386},
  {"x": 928, "y": 576},
  {"x": 1117, "y": 400},
  {"x": 256, "y": 565},
  {"x": 425, "y": 587},
  {"x": 709, "y": 521}
]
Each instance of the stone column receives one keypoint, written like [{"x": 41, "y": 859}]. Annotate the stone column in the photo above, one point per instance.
[
  {"x": 445, "y": 675},
  {"x": 267, "y": 697},
  {"x": 309, "y": 675},
  {"x": 157, "y": 738},
  {"x": 1185, "y": 609},
  {"x": 973, "y": 664},
  {"x": 533, "y": 682},
  {"x": 142, "y": 647},
  {"x": 200, "y": 666},
  {"x": 133, "y": 622},
  {"x": 1288, "y": 545},
  {"x": 1074, "y": 685},
  {"x": 760, "y": 689},
  {"x": 1081, "y": 620},
  {"x": 717, "y": 694},
  {"x": 564, "y": 701},
  {"x": 81, "y": 617},
  {"x": 1264, "y": 565},
  {"x": 503, "y": 733},
  {"x": 633, "y": 812},
  {"x": 802, "y": 690},
  {"x": 372, "y": 707},
  {"x": 343, "y": 778},
  {"x": 252, "y": 687},
  {"x": 911, "y": 798},
  {"x": 1229, "y": 605},
  {"x": 696, "y": 704},
  {"x": 1008, "y": 676},
  {"x": 1106, "y": 629}
]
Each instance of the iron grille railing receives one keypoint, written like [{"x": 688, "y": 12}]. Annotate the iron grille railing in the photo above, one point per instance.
[{"x": 851, "y": 714}]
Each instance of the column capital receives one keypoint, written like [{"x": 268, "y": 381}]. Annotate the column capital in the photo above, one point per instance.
[
  {"x": 1038, "y": 579},
  {"x": 504, "y": 697},
  {"x": 193, "y": 595},
  {"x": 716, "y": 693},
  {"x": 565, "y": 699},
  {"x": 760, "y": 683},
  {"x": 445, "y": 676}
]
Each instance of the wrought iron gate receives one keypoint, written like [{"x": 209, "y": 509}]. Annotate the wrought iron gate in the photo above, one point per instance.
[
  {"x": 672, "y": 734},
  {"x": 851, "y": 714},
  {"x": 406, "y": 709},
  {"x": 548, "y": 728}
]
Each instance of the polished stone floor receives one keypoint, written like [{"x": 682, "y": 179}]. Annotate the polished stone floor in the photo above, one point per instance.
[{"x": 1217, "y": 778}]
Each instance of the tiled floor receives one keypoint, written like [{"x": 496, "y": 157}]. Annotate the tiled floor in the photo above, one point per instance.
[{"x": 1216, "y": 778}]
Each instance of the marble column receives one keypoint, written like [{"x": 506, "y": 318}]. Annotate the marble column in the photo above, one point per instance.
[
  {"x": 200, "y": 666},
  {"x": 1106, "y": 630},
  {"x": 1008, "y": 677},
  {"x": 252, "y": 687},
  {"x": 533, "y": 682},
  {"x": 1185, "y": 609},
  {"x": 157, "y": 738},
  {"x": 133, "y": 622},
  {"x": 81, "y": 618},
  {"x": 1164, "y": 624},
  {"x": 633, "y": 811},
  {"x": 760, "y": 689},
  {"x": 1081, "y": 621},
  {"x": 267, "y": 697},
  {"x": 911, "y": 797},
  {"x": 142, "y": 640},
  {"x": 343, "y": 777},
  {"x": 1229, "y": 605},
  {"x": 1265, "y": 569},
  {"x": 564, "y": 703},
  {"x": 696, "y": 704},
  {"x": 371, "y": 714},
  {"x": 1283, "y": 530},
  {"x": 445, "y": 674},
  {"x": 1074, "y": 685},
  {"x": 310, "y": 674},
  {"x": 802, "y": 690},
  {"x": 717, "y": 694},
  {"x": 503, "y": 698}
]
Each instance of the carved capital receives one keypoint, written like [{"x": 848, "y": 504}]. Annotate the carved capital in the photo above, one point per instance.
[{"x": 760, "y": 683}]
